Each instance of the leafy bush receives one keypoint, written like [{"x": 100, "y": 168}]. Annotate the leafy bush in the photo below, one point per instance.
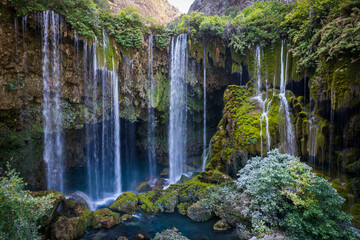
[
  {"x": 20, "y": 212},
  {"x": 213, "y": 25},
  {"x": 125, "y": 27},
  {"x": 285, "y": 193},
  {"x": 259, "y": 24}
]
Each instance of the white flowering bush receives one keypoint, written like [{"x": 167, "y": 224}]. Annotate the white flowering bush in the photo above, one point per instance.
[{"x": 286, "y": 194}]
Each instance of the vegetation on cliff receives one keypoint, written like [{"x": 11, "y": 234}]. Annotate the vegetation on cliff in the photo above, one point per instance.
[{"x": 89, "y": 17}]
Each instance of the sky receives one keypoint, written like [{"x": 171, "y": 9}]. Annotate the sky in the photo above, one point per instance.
[{"x": 182, "y": 5}]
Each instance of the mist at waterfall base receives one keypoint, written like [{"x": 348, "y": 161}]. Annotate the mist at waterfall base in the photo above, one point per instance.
[{"x": 131, "y": 174}]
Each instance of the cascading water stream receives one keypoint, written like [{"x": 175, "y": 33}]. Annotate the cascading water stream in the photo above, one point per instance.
[
  {"x": 151, "y": 116},
  {"x": 288, "y": 141},
  {"x": 265, "y": 105},
  {"x": 204, "y": 116},
  {"x": 103, "y": 151},
  {"x": 177, "y": 124},
  {"x": 52, "y": 110}
]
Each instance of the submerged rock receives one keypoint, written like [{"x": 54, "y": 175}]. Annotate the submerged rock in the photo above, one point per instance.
[
  {"x": 168, "y": 234},
  {"x": 70, "y": 228},
  {"x": 126, "y": 202},
  {"x": 221, "y": 226},
  {"x": 198, "y": 212},
  {"x": 104, "y": 218},
  {"x": 126, "y": 218},
  {"x": 122, "y": 238}
]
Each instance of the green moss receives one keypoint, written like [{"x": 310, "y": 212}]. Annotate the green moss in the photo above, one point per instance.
[
  {"x": 238, "y": 133},
  {"x": 126, "y": 202},
  {"x": 104, "y": 218},
  {"x": 146, "y": 204}
]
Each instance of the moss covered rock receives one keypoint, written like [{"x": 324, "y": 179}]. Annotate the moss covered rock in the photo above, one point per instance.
[
  {"x": 104, "y": 218},
  {"x": 238, "y": 133},
  {"x": 199, "y": 212},
  {"x": 169, "y": 234},
  {"x": 126, "y": 202},
  {"x": 70, "y": 228}
]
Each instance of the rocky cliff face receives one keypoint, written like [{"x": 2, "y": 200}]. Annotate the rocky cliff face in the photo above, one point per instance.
[
  {"x": 160, "y": 10},
  {"x": 212, "y": 7}
]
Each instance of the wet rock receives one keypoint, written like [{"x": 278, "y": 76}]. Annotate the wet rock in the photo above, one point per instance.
[
  {"x": 104, "y": 218},
  {"x": 169, "y": 234},
  {"x": 143, "y": 187},
  {"x": 221, "y": 226},
  {"x": 198, "y": 212},
  {"x": 75, "y": 204},
  {"x": 126, "y": 218},
  {"x": 70, "y": 228},
  {"x": 122, "y": 238},
  {"x": 126, "y": 202},
  {"x": 140, "y": 236},
  {"x": 159, "y": 184}
]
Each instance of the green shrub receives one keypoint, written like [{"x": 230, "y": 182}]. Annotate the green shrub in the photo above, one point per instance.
[
  {"x": 20, "y": 212},
  {"x": 285, "y": 193},
  {"x": 125, "y": 27}
]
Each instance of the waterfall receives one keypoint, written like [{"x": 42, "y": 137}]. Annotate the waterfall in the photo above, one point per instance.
[
  {"x": 332, "y": 128},
  {"x": 288, "y": 141},
  {"x": 52, "y": 111},
  {"x": 264, "y": 104},
  {"x": 177, "y": 124},
  {"x": 116, "y": 107},
  {"x": 204, "y": 117},
  {"x": 151, "y": 116},
  {"x": 103, "y": 150}
]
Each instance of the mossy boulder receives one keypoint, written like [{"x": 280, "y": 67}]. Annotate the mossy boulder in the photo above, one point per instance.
[
  {"x": 199, "y": 212},
  {"x": 169, "y": 234},
  {"x": 168, "y": 202},
  {"x": 70, "y": 228},
  {"x": 104, "y": 218},
  {"x": 183, "y": 207},
  {"x": 221, "y": 226},
  {"x": 126, "y": 202}
]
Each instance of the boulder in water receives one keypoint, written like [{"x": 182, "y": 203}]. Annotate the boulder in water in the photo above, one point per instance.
[
  {"x": 126, "y": 202},
  {"x": 104, "y": 218},
  {"x": 169, "y": 234},
  {"x": 221, "y": 226}
]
